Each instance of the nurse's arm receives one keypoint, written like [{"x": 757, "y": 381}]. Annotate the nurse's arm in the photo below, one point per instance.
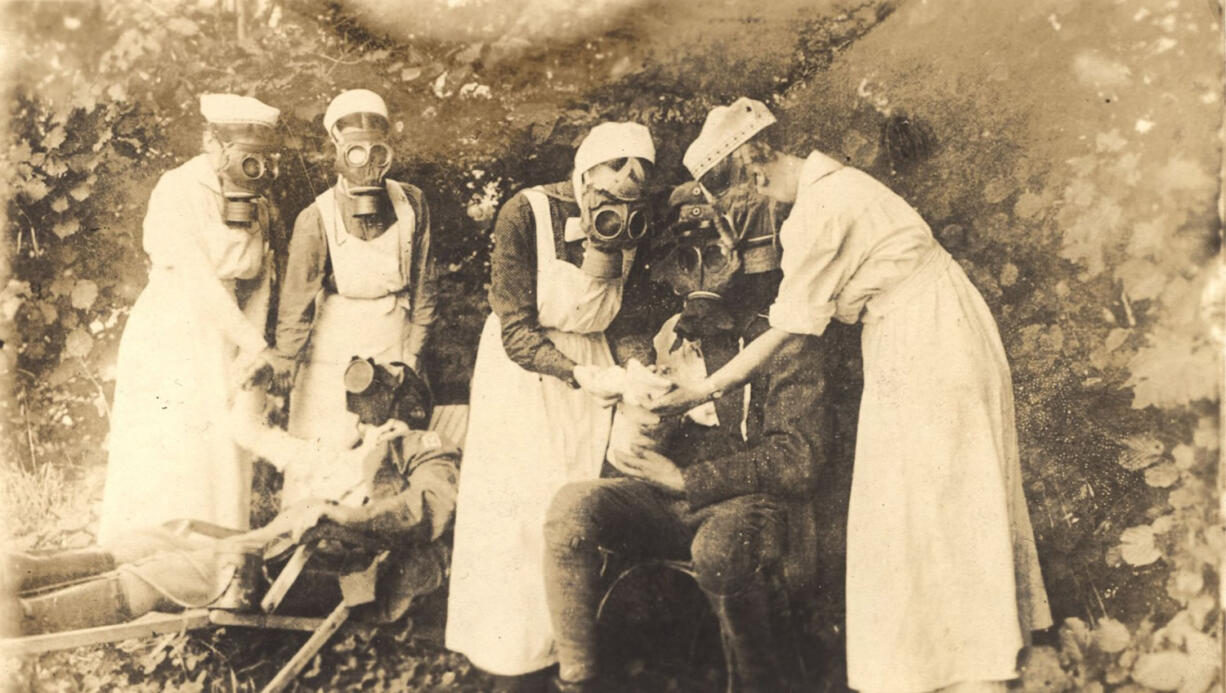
[
  {"x": 424, "y": 306},
  {"x": 304, "y": 276},
  {"x": 167, "y": 221},
  {"x": 752, "y": 359},
  {"x": 512, "y": 293}
]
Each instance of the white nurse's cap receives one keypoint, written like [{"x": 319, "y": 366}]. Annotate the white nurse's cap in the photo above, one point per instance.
[
  {"x": 610, "y": 141},
  {"x": 232, "y": 109},
  {"x": 726, "y": 128},
  {"x": 353, "y": 101}
]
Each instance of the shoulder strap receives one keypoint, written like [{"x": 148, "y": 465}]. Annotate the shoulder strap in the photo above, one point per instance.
[
  {"x": 544, "y": 224},
  {"x": 406, "y": 214},
  {"x": 326, "y": 203}
]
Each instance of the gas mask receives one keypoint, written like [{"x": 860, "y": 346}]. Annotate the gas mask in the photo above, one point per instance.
[
  {"x": 377, "y": 393},
  {"x": 706, "y": 248},
  {"x": 614, "y": 217},
  {"x": 247, "y": 171},
  {"x": 363, "y": 158}
]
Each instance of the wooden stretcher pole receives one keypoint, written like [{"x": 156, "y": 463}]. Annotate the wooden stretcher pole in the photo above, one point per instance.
[
  {"x": 289, "y": 574},
  {"x": 308, "y": 650}
]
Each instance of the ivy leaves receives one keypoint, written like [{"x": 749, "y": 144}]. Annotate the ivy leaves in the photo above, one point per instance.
[{"x": 1174, "y": 369}]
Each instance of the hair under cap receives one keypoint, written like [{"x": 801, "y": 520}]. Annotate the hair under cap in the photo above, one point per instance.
[
  {"x": 609, "y": 142},
  {"x": 726, "y": 128},
  {"x": 353, "y": 101},
  {"x": 232, "y": 109}
]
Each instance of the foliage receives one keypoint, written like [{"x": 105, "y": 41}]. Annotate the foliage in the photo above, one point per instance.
[{"x": 1073, "y": 180}]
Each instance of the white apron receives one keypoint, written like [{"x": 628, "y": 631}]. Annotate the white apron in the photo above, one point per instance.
[
  {"x": 171, "y": 453},
  {"x": 528, "y": 434},
  {"x": 365, "y": 317},
  {"x": 943, "y": 579}
]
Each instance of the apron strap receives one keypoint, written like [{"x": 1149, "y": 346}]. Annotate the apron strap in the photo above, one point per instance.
[
  {"x": 326, "y": 203},
  {"x": 406, "y": 219},
  {"x": 539, "y": 203}
]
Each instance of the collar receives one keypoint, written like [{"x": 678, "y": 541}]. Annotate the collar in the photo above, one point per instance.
[
  {"x": 202, "y": 171},
  {"x": 816, "y": 167}
]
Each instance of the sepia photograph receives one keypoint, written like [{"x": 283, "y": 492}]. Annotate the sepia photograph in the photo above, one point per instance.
[{"x": 603, "y": 346}]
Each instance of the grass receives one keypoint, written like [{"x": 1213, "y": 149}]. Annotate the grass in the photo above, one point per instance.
[{"x": 47, "y": 505}]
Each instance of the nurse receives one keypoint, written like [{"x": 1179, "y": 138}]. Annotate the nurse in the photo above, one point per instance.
[
  {"x": 561, "y": 256},
  {"x": 943, "y": 582},
  {"x": 196, "y": 330},
  {"x": 360, "y": 278}
]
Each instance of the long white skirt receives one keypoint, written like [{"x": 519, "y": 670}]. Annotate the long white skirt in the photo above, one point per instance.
[
  {"x": 943, "y": 581},
  {"x": 528, "y": 435},
  {"x": 171, "y": 453}
]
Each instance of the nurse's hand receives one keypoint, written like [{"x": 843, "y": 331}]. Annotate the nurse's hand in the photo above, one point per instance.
[
  {"x": 649, "y": 465},
  {"x": 686, "y": 395},
  {"x": 606, "y": 384},
  {"x": 254, "y": 367}
]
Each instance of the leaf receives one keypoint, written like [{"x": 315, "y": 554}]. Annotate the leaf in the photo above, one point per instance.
[
  {"x": 1185, "y": 456},
  {"x": 183, "y": 26},
  {"x": 84, "y": 294},
  {"x": 59, "y": 205},
  {"x": 1185, "y": 584},
  {"x": 1173, "y": 369},
  {"x": 1163, "y": 671},
  {"x": 1041, "y": 670},
  {"x": 1204, "y": 662},
  {"x": 1162, "y": 475},
  {"x": 1116, "y": 337},
  {"x": 1140, "y": 452},
  {"x": 1086, "y": 235},
  {"x": 79, "y": 343},
  {"x": 1008, "y": 274},
  {"x": 1075, "y": 638},
  {"x": 409, "y": 74},
  {"x": 80, "y": 192},
  {"x": 1137, "y": 546},
  {"x": 1142, "y": 279},
  {"x": 1111, "y": 635},
  {"x": 34, "y": 189},
  {"x": 54, "y": 138},
  {"x": 440, "y": 84},
  {"x": 66, "y": 228},
  {"x": 1206, "y": 435},
  {"x": 62, "y": 286}
]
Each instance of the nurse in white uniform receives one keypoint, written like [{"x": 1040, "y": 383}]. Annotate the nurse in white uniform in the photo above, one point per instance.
[
  {"x": 561, "y": 256},
  {"x": 943, "y": 582}
]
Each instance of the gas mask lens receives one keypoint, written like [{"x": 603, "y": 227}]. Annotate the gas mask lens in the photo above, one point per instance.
[
  {"x": 258, "y": 167},
  {"x": 611, "y": 223},
  {"x": 360, "y": 154}
]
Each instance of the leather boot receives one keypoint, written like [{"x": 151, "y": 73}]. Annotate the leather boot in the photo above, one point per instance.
[
  {"x": 100, "y": 602},
  {"x": 27, "y": 571},
  {"x": 748, "y": 640}
]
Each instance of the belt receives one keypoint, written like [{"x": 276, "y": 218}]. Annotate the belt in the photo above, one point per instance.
[{"x": 934, "y": 263}]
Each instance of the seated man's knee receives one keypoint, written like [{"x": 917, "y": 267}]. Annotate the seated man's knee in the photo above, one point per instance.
[
  {"x": 572, "y": 515},
  {"x": 736, "y": 544}
]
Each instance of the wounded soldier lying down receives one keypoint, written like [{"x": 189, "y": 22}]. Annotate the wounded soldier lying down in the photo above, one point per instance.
[{"x": 392, "y": 493}]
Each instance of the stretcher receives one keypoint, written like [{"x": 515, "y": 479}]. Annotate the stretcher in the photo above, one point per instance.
[{"x": 356, "y": 589}]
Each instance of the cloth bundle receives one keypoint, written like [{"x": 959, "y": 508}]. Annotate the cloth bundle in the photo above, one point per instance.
[{"x": 634, "y": 425}]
